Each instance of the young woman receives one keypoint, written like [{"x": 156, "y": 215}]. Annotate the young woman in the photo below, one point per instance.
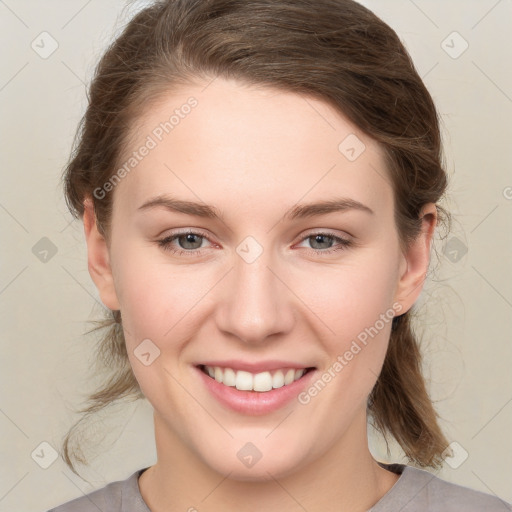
[{"x": 259, "y": 184}]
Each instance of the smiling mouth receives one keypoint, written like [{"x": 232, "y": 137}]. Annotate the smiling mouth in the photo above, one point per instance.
[{"x": 259, "y": 382}]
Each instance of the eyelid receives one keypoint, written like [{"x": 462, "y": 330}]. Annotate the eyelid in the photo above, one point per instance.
[
  {"x": 325, "y": 231},
  {"x": 315, "y": 231},
  {"x": 343, "y": 241},
  {"x": 185, "y": 231}
]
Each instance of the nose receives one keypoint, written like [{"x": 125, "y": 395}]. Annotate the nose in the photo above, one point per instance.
[{"x": 256, "y": 302}]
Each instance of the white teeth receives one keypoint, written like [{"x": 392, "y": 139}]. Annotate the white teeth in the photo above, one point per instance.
[
  {"x": 243, "y": 380},
  {"x": 278, "y": 379},
  {"x": 299, "y": 373},
  {"x": 246, "y": 381},
  {"x": 288, "y": 378},
  {"x": 262, "y": 382},
  {"x": 229, "y": 377}
]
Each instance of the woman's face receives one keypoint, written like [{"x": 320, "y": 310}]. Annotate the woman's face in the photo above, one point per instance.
[{"x": 265, "y": 284}]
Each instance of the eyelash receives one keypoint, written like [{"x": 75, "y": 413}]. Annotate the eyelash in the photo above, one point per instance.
[{"x": 166, "y": 242}]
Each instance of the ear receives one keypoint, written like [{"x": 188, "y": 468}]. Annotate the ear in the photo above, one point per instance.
[
  {"x": 98, "y": 258},
  {"x": 416, "y": 260}
]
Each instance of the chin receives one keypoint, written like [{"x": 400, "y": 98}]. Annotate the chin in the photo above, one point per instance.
[{"x": 250, "y": 464}]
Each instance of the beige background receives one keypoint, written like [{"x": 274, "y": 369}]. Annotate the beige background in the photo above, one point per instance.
[{"x": 44, "y": 305}]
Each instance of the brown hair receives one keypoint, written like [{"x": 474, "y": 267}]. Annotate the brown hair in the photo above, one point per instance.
[{"x": 333, "y": 50}]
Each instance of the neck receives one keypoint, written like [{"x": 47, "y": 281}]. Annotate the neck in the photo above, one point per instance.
[{"x": 345, "y": 478}]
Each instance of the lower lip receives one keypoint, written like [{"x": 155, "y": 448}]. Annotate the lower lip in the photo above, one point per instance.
[{"x": 255, "y": 403}]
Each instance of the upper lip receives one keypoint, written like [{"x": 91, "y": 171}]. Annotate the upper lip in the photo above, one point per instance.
[{"x": 255, "y": 367}]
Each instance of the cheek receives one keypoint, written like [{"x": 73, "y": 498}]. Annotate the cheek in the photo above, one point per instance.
[
  {"x": 143, "y": 292},
  {"x": 157, "y": 302},
  {"x": 350, "y": 298},
  {"x": 154, "y": 300},
  {"x": 356, "y": 304},
  {"x": 161, "y": 300}
]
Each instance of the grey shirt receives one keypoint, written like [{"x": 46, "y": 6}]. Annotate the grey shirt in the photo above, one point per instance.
[{"x": 416, "y": 490}]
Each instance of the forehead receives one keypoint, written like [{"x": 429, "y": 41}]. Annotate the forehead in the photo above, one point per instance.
[{"x": 225, "y": 141}]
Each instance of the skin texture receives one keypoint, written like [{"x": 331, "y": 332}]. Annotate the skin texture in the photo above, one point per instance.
[{"x": 254, "y": 153}]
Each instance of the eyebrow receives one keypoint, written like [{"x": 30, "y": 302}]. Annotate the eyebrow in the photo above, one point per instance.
[{"x": 299, "y": 211}]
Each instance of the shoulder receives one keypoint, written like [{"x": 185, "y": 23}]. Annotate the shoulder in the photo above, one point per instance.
[
  {"x": 419, "y": 490},
  {"x": 455, "y": 497},
  {"x": 122, "y": 496}
]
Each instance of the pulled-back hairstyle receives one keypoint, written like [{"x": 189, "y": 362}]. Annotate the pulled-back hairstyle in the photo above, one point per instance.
[{"x": 336, "y": 51}]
